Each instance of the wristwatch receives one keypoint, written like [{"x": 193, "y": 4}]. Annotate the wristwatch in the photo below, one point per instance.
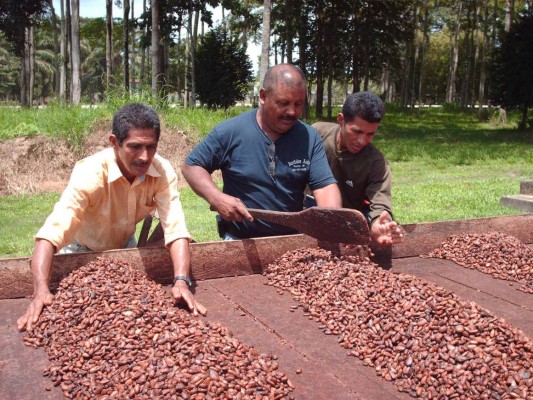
[{"x": 183, "y": 278}]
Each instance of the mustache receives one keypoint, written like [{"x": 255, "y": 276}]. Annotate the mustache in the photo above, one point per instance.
[{"x": 140, "y": 164}]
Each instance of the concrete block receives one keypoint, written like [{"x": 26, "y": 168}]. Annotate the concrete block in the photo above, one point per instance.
[{"x": 522, "y": 202}]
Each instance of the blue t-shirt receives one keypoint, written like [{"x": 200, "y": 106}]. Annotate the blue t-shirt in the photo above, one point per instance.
[{"x": 240, "y": 149}]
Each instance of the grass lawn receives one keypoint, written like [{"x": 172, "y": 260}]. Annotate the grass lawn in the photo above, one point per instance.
[{"x": 446, "y": 165}]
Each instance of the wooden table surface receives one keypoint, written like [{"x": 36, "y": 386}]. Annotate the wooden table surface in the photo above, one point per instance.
[{"x": 259, "y": 316}]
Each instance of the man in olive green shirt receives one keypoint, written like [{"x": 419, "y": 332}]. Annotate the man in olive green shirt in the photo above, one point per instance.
[{"x": 362, "y": 172}]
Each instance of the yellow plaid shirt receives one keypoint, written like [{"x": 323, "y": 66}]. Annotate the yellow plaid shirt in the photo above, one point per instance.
[{"x": 100, "y": 208}]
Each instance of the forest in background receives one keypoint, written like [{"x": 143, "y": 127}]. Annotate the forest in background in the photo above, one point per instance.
[{"x": 411, "y": 52}]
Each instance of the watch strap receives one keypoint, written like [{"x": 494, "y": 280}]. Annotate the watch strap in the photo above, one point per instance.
[{"x": 183, "y": 278}]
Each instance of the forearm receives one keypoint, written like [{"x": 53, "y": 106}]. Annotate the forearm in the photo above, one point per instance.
[
  {"x": 328, "y": 196},
  {"x": 41, "y": 264},
  {"x": 180, "y": 256},
  {"x": 201, "y": 182}
]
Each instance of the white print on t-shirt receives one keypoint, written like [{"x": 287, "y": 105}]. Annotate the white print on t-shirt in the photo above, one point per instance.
[
  {"x": 299, "y": 165},
  {"x": 349, "y": 183}
]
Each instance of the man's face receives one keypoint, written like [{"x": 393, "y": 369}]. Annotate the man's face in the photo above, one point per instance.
[
  {"x": 281, "y": 106},
  {"x": 356, "y": 134},
  {"x": 136, "y": 153}
]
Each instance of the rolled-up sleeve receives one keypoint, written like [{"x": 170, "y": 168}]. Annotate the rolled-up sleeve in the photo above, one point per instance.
[{"x": 169, "y": 207}]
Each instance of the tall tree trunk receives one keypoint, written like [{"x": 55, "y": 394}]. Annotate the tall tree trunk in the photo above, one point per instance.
[
  {"x": 320, "y": 54},
  {"x": 126, "y": 44},
  {"x": 56, "y": 48},
  {"x": 178, "y": 64},
  {"x": 483, "y": 68},
  {"x": 265, "y": 41},
  {"x": 32, "y": 66},
  {"x": 133, "y": 60},
  {"x": 404, "y": 91},
  {"x": 452, "y": 76},
  {"x": 302, "y": 62},
  {"x": 26, "y": 70},
  {"x": 68, "y": 17},
  {"x": 355, "y": 49},
  {"x": 186, "y": 69},
  {"x": 330, "y": 68},
  {"x": 509, "y": 14},
  {"x": 193, "y": 55},
  {"x": 474, "y": 64},
  {"x": 76, "y": 62},
  {"x": 425, "y": 42},
  {"x": 143, "y": 49},
  {"x": 467, "y": 60},
  {"x": 155, "y": 48},
  {"x": 416, "y": 52},
  {"x": 64, "y": 57},
  {"x": 109, "y": 43},
  {"x": 289, "y": 26}
]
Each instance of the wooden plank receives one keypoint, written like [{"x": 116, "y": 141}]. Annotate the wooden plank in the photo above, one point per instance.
[
  {"x": 209, "y": 260},
  {"x": 423, "y": 237},
  {"x": 242, "y": 257},
  {"x": 257, "y": 315},
  {"x": 495, "y": 295}
]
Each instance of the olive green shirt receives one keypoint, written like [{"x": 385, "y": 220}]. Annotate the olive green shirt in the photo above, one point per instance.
[{"x": 364, "y": 178}]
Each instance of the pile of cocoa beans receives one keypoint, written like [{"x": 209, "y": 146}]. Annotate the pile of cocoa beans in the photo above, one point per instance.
[
  {"x": 494, "y": 253},
  {"x": 111, "y": 333},
  {"x": 423, "y": 338}
]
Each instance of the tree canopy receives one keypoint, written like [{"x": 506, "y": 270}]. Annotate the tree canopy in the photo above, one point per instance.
[
  {"x": 511, "y": 78},
  {"x": 223, "y": 70}
]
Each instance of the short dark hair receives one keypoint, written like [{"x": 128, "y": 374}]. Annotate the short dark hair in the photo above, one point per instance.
[
  {"x": 135, "y": 116},
  {"x": 365, "y": 105},
  {"x": 288, "y": 74}
]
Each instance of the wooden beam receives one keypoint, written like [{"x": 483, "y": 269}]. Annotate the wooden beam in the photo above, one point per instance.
[{"x": 219, "y": 259}]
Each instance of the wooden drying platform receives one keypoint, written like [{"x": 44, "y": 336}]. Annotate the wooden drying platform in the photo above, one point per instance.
[{"x": 259, "y": 316}]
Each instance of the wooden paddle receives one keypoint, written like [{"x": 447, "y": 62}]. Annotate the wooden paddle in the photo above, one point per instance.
[{"x": 339, "y": 225}]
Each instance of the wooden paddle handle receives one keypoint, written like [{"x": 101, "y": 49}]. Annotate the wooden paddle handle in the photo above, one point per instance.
[{"x": 278, "y": 217}]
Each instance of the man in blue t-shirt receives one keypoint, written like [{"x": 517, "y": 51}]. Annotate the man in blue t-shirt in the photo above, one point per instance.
[{"x": 267, "y": 157}]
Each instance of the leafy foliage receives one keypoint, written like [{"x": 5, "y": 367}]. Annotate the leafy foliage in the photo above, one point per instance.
[
  {"x": 511, "y": 78},
  {"x": 223, "y": 70},
  {"x": 16, "y": 15}
]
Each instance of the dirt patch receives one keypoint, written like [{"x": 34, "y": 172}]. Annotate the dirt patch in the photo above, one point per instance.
[{"x": 42, "y": 164}]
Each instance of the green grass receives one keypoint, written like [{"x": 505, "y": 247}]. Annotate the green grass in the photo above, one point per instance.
[
  {"x": 69, "y": 123},
  {"x": 446, "y": 165},
  {"x": 20, "y": 219}
]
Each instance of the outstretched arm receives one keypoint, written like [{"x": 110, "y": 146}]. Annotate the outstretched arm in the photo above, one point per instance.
[
  {"x": 180, "y": 255},
  {"x": 41, "y": 263},
  {"x": 228, "y": 207}
]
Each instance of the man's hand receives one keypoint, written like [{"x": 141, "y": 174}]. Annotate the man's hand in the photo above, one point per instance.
[
  {"x": 230, "y": 208},
  {"x": 385, "y": 232},
  {"x": 34, "y": 310},
  {"x": 180, "y": 291}
]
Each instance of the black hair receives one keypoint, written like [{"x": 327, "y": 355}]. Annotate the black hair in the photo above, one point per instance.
[
  {"x": 135, "y": 116},
  {"x": 365, "y": 105}
]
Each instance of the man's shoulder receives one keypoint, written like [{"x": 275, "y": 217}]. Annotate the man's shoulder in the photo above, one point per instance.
[
  {"x": 326, "y": 129},
  {"x": 162, "y": 165},
  {"x": 99, "y": 158},
  {"x": 236, "y": 120}
]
